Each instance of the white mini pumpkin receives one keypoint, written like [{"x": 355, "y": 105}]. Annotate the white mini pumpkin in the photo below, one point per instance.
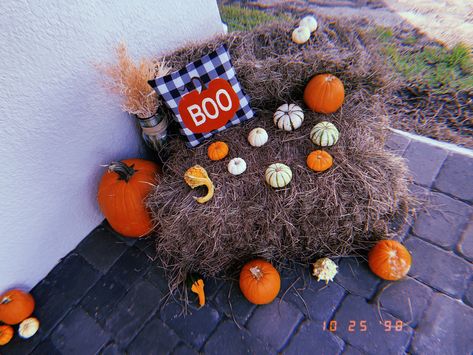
[
  {"x": 258, "y": 137},
  {"x": 310, "y": 22},
  {"x": 324, "y": 134},
  {"x": 236, "y": 166},
  {"x": 28, "y": 327},
  {"x": 301, "y": 35},
  {"x": 278, "y": 175},
  {"x": 288, "y": 117}
]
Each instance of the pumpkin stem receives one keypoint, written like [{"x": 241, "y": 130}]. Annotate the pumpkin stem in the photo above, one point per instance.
[
  {"x": 256, "y": 272},
  {"x": 124, "y": 171},
  {"x": 329, "y": 78},
  {"x": 5, "y": 300}
]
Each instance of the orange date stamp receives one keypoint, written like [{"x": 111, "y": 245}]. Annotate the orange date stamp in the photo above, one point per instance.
[{"x": 362, "y": 326}]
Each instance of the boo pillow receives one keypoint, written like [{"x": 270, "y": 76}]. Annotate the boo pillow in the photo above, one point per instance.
[{"x": 205, "y": 96}]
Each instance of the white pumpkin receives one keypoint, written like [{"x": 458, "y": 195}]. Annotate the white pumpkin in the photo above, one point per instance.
[
  {"x": 278, "y": 175},
  {"x": 28, "y": 327},
  {"x": 324, "y": 134},
  {"x": 258, "y": 137},
  {"x": 288, "y": 117},
  {"x": 301, "y": 35},
  {"x": 236, "y": 166},
  {"x": 310, "y": 22}
]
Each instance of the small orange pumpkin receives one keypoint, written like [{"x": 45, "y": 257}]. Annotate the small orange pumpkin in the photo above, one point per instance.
[
  {"x": 15, "y": 306},
  {"x": 259, "y": 282},
  {"x": 319, "y": 160},
  {"x": 390, "y": 260},
  {"x": 324, "y": 93},
  {"x": 121, "y": 195},
  {"x": 217, "y": 150},
  {"x": 6, "y": 333}
]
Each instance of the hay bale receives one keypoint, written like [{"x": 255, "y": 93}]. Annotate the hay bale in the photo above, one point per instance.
[{"x": 335, "y": 213}]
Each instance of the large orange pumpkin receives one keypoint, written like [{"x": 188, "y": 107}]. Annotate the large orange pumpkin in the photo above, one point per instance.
[
  {"x": 15, "y": 306},
  {"x": 390, "y": 260},
  {"x": 121, "y": 195},
  {"x": 324, "y": 93},
  {"x": 259, "y": 282},
  {"x": 6, "y": 333}
]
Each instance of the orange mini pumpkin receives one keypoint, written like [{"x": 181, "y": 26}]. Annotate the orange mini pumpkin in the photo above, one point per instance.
[
  {"x": 324, "y": 93},
  {"x": 15, "y": 306},
  {"x": 259, "y": 282},
  {"x": 217, "y": 150},
  {"x": 319, "y": 160},
  {"x": 390, "y": 260},
  {"x": 6, "y": 333},
  {"x": 121, "y": 195}
]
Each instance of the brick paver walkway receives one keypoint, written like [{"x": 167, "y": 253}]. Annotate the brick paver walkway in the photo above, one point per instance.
[{"x": 104, "y": 296}]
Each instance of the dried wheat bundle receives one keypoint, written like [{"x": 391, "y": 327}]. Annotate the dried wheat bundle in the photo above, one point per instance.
[{"x": 130, "y": 81}]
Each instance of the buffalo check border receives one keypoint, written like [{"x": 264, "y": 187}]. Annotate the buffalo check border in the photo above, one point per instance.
[{"x": 174, "y": 86}]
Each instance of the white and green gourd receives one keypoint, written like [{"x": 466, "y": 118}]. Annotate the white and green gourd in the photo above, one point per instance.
[
  {"x": 288, "y": 117},
  {"x": 324, "y": 134},
  {"x": 278, "y": 175}
]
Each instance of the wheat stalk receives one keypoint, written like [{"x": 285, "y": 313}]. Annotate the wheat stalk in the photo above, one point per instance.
[{"x": 130, "y": 82}]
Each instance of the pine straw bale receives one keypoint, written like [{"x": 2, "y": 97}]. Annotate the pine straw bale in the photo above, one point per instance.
[{"x": 335, "y": 213}]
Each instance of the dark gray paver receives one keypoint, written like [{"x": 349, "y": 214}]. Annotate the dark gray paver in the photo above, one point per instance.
[
  {"x": 231, "y": 301},
  {"x": 290, "y": 274},
  {"x": 351, "y": 350},
  {"x": 405, "y": 299},
  {"x": 397, "y": 143},
  {"x": 438, "y": 268},
  {"x": 132, "y": 265},
  {"x": 111, "y": 349},
  {"x": 73, "y": 277},
  {"x": 148, "y": 246},
  {"x": 131, "y": 313},
  {"x": 274, "y": 323},
  {"x": 102, "y": 298},
  {"x": 79, "y": 334},
  {"x": 456, "y": 177},
  {"x": 156, "y": 276},
  {"x": 465, "y": 246},
  {"x": 230, "y": 339},
  {"x": 311, "y": 339},
  {"x": 356, "y": 315},
  {"x": 183, "y": 349},
  {"x": 446, "y": 328},
  {"x": 316, "y": 299},
  {"x": 469, "y": 295},
  {"x": 156, "y": 337},
  {"x": 193, "y": 328},
  {"x": 443, "y": 221},
  {"x": 46, "y": 348},
  {"x": 424, "y": 162},
  {"x": 101, "y": 248},
  {"x": 355, "y": 276}
]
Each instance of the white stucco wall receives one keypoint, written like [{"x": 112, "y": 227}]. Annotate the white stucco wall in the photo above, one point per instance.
[{"x": 57, "y": 125}]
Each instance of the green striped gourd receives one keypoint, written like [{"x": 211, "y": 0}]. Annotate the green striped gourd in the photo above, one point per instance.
[
  {"x": 324, "y": 134},
  {"x": 278, "y": 175}
]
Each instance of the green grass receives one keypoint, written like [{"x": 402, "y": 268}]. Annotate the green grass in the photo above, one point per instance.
[
  {"x": 431, "y": 67},
  {"x": 434, "y": 67},
  {"x": 242, "y": 19}
]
